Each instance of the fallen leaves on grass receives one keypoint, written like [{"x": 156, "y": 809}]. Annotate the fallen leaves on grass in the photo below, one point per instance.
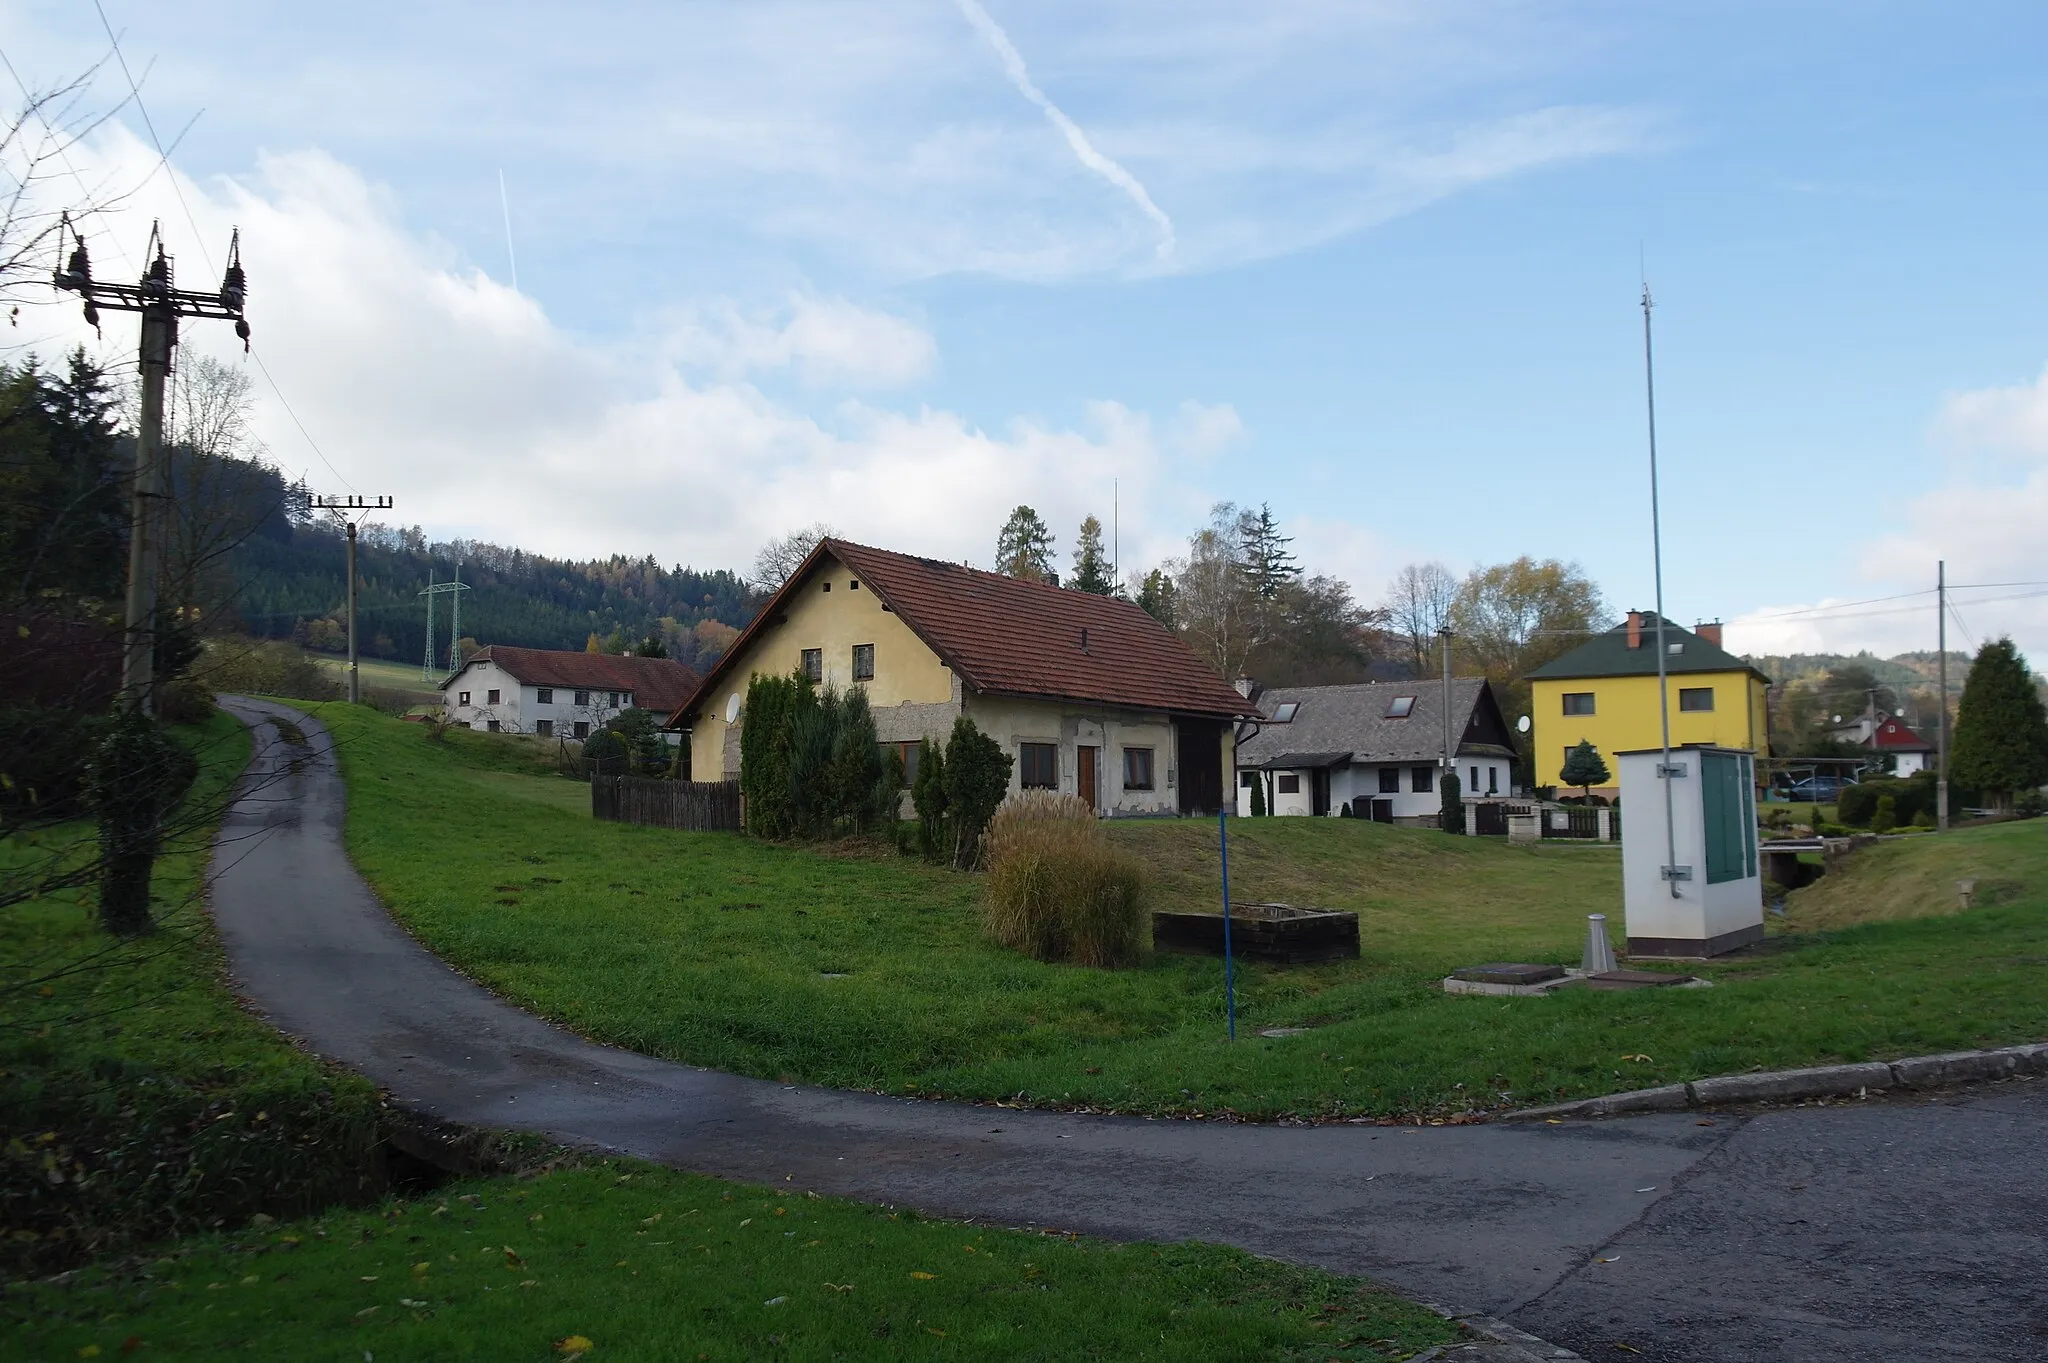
[
  {"x": 923, "y": 1276},
  {"x": 575, "y": 1346}
]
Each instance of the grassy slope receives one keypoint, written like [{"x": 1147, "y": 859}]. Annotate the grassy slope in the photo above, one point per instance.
[
  {"x": 721, "y": 951},
  {"x": 147, "y": 1101},
  {"x": 1917, "y": 878},
  {"x": 382, "y": 672},
  {"x": 649, "y": 1264}
]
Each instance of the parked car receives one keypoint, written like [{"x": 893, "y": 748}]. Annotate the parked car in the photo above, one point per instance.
[{"x": 1818, "y": 789}]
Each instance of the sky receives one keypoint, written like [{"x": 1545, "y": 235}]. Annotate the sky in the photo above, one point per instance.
[{"x": 901, "y": 266}]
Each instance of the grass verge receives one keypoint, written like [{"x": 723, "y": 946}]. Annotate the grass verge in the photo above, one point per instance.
[
  {"x": 1918, "y": 877},
  {"x": 136, "y": 1099},
  {"x": 860, "y": 969},
  {"x": 625, "y": 1262}
]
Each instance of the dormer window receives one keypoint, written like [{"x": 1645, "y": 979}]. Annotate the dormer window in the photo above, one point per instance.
[
  {"x": 1400, "y": 707},
  {"x": 1284, "y": 712}
]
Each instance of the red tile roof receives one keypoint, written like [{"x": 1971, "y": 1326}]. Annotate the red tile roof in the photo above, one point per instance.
[
  {"x": 656, "y": 683},
  {"x": 1004, "y": 636}
]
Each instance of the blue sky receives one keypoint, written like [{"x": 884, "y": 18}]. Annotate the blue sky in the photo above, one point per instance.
[{"x": 900, "y": 266}]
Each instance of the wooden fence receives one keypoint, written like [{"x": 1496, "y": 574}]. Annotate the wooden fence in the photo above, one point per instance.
[{"x": 699, "y": 806}]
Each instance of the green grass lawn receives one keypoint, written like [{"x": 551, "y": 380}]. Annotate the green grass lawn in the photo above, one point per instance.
[
  {"x": 379, "y": 672},
  {"x": 857, "y": 968},
  {"x": 629, "y": 1263}
]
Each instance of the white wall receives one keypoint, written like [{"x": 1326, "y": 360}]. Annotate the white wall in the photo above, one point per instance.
[
  {"x": 1348, "y": 783},
  {"x": 1013, "y": 721},
  {"x": 519, "y": 704}
]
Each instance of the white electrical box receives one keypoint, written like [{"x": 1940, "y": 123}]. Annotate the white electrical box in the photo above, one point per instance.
[{"x": 1696, "y": 889}]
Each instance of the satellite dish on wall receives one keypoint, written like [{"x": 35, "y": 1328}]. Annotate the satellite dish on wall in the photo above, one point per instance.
[
  {"x": 732, "y": 708},
  {"x": 1522, "y": 724}
]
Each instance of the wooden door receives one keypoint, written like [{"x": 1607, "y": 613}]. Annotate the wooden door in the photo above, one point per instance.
[{"x": 1084, "y": 775}]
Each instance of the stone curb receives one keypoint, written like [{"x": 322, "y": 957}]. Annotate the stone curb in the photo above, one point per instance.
[
  {"x": 1498, "y": 1342},
  {"x": 1821, "y": 1081}
]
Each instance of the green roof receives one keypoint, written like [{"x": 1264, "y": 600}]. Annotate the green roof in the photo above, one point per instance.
[{"x": 1608, "y": 655}]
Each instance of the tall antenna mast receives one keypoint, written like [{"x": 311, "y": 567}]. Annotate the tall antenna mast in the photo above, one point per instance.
[
  {"x": 505, "y": 205},
  {"x": 1665, "y": 773}
]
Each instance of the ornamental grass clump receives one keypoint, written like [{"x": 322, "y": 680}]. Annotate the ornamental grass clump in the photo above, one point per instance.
[{"x": 1057, "y": 889}]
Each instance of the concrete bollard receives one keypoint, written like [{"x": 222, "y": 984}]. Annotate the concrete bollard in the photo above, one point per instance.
[{"x": 1599, "y": 955}]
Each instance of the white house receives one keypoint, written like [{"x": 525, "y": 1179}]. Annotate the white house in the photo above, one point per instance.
[
  {"x": 1894, "y": 740},
  {"x": 557, "y": 693},
  {"x": 1375, "y": 746}
]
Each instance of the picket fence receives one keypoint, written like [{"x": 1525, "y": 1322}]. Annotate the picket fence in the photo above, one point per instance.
[{"x": 699, "y": 806}]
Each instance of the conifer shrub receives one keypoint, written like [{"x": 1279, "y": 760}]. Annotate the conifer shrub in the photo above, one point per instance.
[
  {"x": 765, "y": 740},
  {"x": 928, "y": 798},
  {"x": 1258, "y": 796},
  {"x": 1886, "y": 816},
  {"x": 1057, "y": 889},
  {"x": 1452, "y": 817},
  {"x": 977, "y": 777}
]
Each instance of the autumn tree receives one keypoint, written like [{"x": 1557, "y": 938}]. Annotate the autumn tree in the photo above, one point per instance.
[
  {"x": 1093, "y": 571},
  {"x": 2001, "y": 734},
  {"x": 778, "y": 558},
  {"x": 1024, "y": 547},
  {"x": 1513, "y": 617},
  {"x": 1418, "y": 607}
]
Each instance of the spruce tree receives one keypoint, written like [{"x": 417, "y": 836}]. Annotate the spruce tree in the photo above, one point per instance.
[
  {"x": 1156, "y": 598},
  {"x": 1262, "y": 549},
  {"x": 1024, "y": 548},
  {"x": 1585, "y": 768},
  {"x": 2001, "y": 736},
  {"x": 1091, "y": 565}
]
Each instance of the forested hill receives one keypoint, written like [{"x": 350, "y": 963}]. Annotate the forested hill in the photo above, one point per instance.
[{"x": 290, "y": 583}]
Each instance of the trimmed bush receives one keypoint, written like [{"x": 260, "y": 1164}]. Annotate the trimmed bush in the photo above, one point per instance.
[
  {"x": 1057, "y": 890},
  {"x": 928, "y": 797},
  {"x": 1886, "y": 817},
  {"x": 977, "y": 777},
  {"x": 1452, "y": 816}
]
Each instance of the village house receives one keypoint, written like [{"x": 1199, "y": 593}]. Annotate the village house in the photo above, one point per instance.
[
  {"x": 1374, "y": 747},
  {"x": 1088, "y": 694},
  {"x": 1896, "y": 745},
  {"x": 556, "y": 693},
  {"x": 1604, "y": 692}
]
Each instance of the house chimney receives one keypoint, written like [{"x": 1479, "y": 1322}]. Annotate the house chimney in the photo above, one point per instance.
[
  {"x": 1244, "y": 687},
  {"x": 1635, "y": 629},
  {"x": 1710, "y": 630}
]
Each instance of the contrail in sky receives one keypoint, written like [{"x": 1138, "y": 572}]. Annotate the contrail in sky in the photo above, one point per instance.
[{"x": 1084, "y": 150}]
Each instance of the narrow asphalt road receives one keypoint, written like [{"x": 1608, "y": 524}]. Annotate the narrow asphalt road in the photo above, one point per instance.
[{"x": 1870, "y": 1231}]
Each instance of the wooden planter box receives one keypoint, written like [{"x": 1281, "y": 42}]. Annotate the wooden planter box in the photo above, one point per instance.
[{"x": 1266, "y": 932}]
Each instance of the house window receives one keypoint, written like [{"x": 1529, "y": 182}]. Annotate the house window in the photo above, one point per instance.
[
  {"x": 1284, "y": 713},
  {"x": 582, "y": 728},
  {"x": 1247, "y": 779},
  {"x": 854, "y": 585},
  {"x": 1578, "y": 702},
  {"x": 1493, "y": 780},
  {"x": 814, "y": 665},
  {"x": 1400, "y": 707},
  {"x": 544, "y": 727},
  {"x": 1421, "y": 780},
  {"x": 492, "y": 725},
  {"x": 1038, "y": 766},
  {"x": 863, "y": 662},
  {"x": 828, "y": 586},
  {"x": 625, "y": 697},
  {"x": 583, "y": 698},
  {"x": 1290, "y": 783},
  {"x": 545, "y": 695},
  {"x": 462, "y": 698},
  {"x": 911, "y": 753},
  {"x": 1390, "y": 780},
  {"x": 614, "y": 700},
  {"x": 1695, "y": 697},
  {"x": 491, "y": 697},
  {"x": 1137, "y": 769},
  {"x": 1473, "y": 784}
]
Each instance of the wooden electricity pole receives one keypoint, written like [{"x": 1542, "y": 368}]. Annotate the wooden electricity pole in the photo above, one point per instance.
[
  {"x": 348, "y": 509},
  {"x": 161, "y": 305}
]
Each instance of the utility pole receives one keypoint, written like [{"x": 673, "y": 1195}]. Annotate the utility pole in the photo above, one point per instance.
[
  {"x": 344, "y": 508},
  {"x": 1666, "y": 772},
  {"x": 161, "y": 305},
  {"x": 1941, "y": 701},
  {"x": 1450, "y": 752}
]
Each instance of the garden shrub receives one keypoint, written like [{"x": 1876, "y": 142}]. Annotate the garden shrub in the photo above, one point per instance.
[
  {"x": 184, "y": 701},
  {"x": 1452, "y": 817},
  {"x": 928, "y": 798},
  {"x": 977, "y": 777},
  {"x": 45, "y": 755},
  {"x": 271, "y": 668},
  {"x": 1886, "y": 816},
  {"x": 1057, "y": 889},
  {"x": 1258, "y": 796},
  {"x": 2029, "y": 804},
  {"x": 765, "y": 752},
  {"x": 811, "y": 762}
]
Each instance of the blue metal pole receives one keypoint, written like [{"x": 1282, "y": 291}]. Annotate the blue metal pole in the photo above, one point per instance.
[{"x": 1229, "y": 974}]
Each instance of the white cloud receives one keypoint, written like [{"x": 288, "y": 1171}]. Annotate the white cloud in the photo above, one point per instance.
[
  {"x": 1985, "y": 520},
  {"x": 461, "y": 398}
]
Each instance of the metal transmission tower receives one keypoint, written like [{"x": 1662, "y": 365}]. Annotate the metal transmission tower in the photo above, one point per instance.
[
  {"x": 453, "y": 590},
  {"x": 347, "y": 510},
  {"x": 161, "y": 304}
]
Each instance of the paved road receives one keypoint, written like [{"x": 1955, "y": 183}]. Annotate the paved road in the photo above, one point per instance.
[{"x": 1873, "y": 1231}]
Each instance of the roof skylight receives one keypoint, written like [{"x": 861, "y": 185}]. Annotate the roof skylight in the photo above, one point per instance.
[
  {"x": 1400, "y": 707},
  {"x": 1283, "y": 713}
]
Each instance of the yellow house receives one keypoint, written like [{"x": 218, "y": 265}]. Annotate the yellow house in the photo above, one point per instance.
[
  {"x": 1605, "y": 692},
  {"x": 1088, "y": 694}
]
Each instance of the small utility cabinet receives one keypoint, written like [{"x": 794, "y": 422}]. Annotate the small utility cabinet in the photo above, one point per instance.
[{"x": 1711, "y": 861}]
